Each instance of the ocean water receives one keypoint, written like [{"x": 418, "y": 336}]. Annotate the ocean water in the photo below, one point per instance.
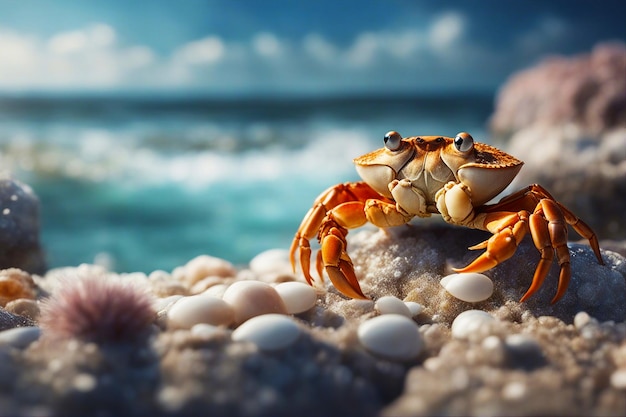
[{"x": 141, "y": 184}]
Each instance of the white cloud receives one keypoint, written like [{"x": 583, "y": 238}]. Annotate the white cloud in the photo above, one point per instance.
[
  {"x": 445, "y": 30},
  {"x": 94, "y": 58},
  {"x": 318, "y": 47},
  {"x": 267, "y": 45},
  {"x": 204, "y": 51}
]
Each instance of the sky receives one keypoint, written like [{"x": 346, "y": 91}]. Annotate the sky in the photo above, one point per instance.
[{"x": 231, "y": 47}]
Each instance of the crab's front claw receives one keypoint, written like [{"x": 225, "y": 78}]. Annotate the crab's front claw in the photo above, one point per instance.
[
  {"x": 500, "y": 247},
  {"x": 338, "y": 264}
]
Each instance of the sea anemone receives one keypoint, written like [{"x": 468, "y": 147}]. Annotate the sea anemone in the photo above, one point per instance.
[{"x": 98, "y": 309}]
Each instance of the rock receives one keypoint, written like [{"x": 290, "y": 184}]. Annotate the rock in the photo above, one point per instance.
[
  {"x": 469, "y": 322},
  {"x": 409, "y": 262},
  {"x": 566, "y": 119},
  {"x": 392, "y": 305},
  {"x": 588, "y": 90},
  {"x": 391, "y": 336},
  {"x": 297, "y": 296},
  {"x": 195, "y": 309},
  {"x": 19, "y": 337},
  {"x": 9, "y": 320},
  {"x": 15, "y": 284},
  {"x": 253, "y": 298},
  {"x": 469, "y": 287},
  {"x": 269, "y": 332},
  {"x": 19, "y": 228}
]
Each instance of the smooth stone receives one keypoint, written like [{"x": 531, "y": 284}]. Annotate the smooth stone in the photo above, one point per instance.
[
  {"x": 469, "y": 287},
  {"x": 272, "y": 261},
  {"x": 164, "y": 303},
  {"x": 253, "y": 298},
  {"x": 392, "y": 305},
  {"x": 189, "y": 311},
  {"x": 391, "y": 336},
  {"x": 415, "y": 308},
  {"x": 205, "y": 331},
  {"x": 469, "y": 322},
  {"x": 297, "y": 296},
  {"x": 19, "y": 337},
  {"x": 216, "y": 290},
  {"x": 269, "y": 332}
]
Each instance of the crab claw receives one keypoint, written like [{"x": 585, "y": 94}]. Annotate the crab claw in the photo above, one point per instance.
[
  {"x": 500, "y": 247},
  {"x": 338, "y": 264}
]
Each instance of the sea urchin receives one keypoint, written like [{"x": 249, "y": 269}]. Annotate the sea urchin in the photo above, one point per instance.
[{"x": 98, "y": 309}]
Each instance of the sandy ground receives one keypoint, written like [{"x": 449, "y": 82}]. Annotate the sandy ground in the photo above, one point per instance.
[{"x": 533, "y": 359}]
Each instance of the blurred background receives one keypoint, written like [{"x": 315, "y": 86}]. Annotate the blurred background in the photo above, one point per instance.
[{"x": 155, "y": 131}]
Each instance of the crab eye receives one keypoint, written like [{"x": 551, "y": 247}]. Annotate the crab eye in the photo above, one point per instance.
[
  {"x": 463, "y": 142},
  {"x": 393, "y": 140}
]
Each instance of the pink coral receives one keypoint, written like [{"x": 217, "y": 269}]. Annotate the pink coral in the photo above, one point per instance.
[{"x": 97, "y": 309}]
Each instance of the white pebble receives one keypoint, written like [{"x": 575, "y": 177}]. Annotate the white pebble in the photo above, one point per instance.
[
  {"x": 216, "y": 290},
  {"x": 195, "y": 309},
  {"x": 392, "y": 336},
  {"x": 161, "y": 304},
  {"x": 469, "y": 322},
  {"x": 19, "y": 337},
  {"x": 269, "y": 332},
  {"x": 297, "y": 296},
  {"x": 205, "y": 331},
  {"x": 272, "y": 261},
  {"x": 415, "y": 308},
  {"x": 618, "y": 379},
  {"x": 253, "y": 298},
  {"x": 469, "y": 287},
  {"x": 392, "y": 305}
]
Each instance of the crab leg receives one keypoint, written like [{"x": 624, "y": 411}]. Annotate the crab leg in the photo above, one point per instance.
[
  {"x": 309, "y": 228},
  {"x": 548, "y": 227},
  {"x": 549, "y": 234},
  {"x": 508, "y": 231}
]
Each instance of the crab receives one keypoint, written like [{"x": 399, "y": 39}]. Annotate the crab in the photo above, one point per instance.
[{"x": 454, "y": 177}]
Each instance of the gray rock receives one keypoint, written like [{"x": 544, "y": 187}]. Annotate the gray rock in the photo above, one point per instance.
[
  {"x": 566, "y": 119},
  {"x": 409, "y": 262},
  {"x": 19, "y": 228},
  {"x": 9, "y": 321}
]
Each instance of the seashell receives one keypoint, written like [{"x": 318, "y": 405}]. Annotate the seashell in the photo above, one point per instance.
[
  {"x": 415, "y": 308},
  {"x": 269, "y": 332},
  {"x": 297, "y": 296},
  {"x": 469, "y": 287},
  {"x": 272, "y": 261},
  {"x": 23, "y": 307},
  {"x": 469, "y": 322},
  {"x": 204, "y": 266},
  {"x": 188, "y": 311},
  {"x": 392, "y": 305},
  {"x": 391, "y": 336},
  {"x": 15, "y": 284},
  {"x": 19, "y": 337},
  {"x": 253, "y": 298}
]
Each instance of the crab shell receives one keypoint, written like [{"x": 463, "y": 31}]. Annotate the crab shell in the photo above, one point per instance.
[{"x": 430, "y": 162}]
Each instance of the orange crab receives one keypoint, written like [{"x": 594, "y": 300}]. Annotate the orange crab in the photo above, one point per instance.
[{"x": 454, "y": 177}]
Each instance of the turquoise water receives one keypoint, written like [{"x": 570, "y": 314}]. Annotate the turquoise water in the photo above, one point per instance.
[{"x": 143, "y": 184}]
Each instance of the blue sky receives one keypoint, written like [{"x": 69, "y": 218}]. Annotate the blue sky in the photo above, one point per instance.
[{"x": 291, "y": 47}]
